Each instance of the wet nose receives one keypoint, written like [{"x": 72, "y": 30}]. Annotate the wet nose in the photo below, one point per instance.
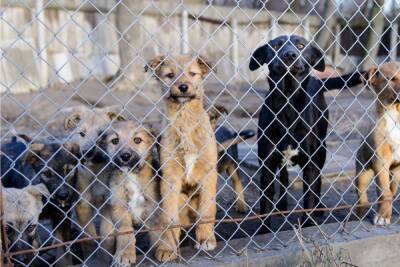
[
  {"x": 183, "y": 88},
  {"x": 63, "y": 195},
  {"x": 290, "y": 55},
  {"x": 126, "y": 156}
]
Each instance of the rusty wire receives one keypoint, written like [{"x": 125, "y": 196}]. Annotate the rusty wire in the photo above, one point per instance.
[{"x": 232, "y": 220}]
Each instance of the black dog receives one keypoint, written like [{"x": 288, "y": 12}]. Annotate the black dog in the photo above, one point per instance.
[{"x": 294, "y": 118}]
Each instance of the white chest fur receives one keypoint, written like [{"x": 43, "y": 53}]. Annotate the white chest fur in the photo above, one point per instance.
[
  {"x": 135, "y": 196},
  {"x": 392, "y": 132}
]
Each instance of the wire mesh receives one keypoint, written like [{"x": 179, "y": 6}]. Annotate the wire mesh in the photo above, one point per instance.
[{"x": 142, "y": 132}]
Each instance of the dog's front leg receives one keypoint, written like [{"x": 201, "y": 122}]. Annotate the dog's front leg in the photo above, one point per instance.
[
  {"x": 125, "y": 251},
  {"x": 207, "y": 177},
  {"x": 171, "y": 184},
  {"x": 311, "y": 190},
  {"x": 382, "y": 169}
]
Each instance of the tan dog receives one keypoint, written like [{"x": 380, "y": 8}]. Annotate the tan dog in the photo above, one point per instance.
[
  {"x": 84, "y": 126},
  {"x": 133, "y": 182},
  {"x": 228, "y": 153},
  {"x": 188, "y": 151},
  {"x": 379, "y": 155},
  {"x": 22, "y": 208}
]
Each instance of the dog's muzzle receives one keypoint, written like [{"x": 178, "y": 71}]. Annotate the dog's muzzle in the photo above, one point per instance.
[{"x": 128, "y": 159}]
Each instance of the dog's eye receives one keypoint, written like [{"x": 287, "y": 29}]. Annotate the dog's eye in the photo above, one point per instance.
[
  {"x": 300, "y": 46},
  {"x": 82, "y": 133},
  {"x": 170, "y": 75},
  {"x": 115, "y": 141},
  {"x": 31, "y": 228},
  {"x": 276, "y": 46},
  {"x": 137, "y": 140},
  {"x": 47, "y": 173},
  {"x": 192, "y": 74},
  {"x": 394, "y": 78}
]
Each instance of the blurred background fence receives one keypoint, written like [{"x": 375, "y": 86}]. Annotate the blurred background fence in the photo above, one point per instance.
[{"x": 64, "y": 41}]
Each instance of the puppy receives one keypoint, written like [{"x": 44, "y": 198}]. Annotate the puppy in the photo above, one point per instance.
[
  {"x": 22, "y": 208},
  {"x": 379, "y": 154},
  {"x": 84, "y": 126},
  {"x": 133, "y": 181},
  {"x": 293, "y": 120},
  {"x": 228, "y": 153},
  {"x": 54, "y": 165},
  {"x": 188, "y": 151}
]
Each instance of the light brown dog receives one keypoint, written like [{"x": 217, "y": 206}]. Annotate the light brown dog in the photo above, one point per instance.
[
  {"x": 379, "y": 155},
  {"x": 188, "y": 151},
  {"x": 84, "y": 127},
  {"x": 133, "y": 181}
]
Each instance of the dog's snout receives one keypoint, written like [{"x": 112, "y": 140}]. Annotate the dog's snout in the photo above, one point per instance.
[
  {"x": 290, "y": 55},
  {"x": 63, "y": 195},
  {"x": 126, "y": 156},
  {"x": 89, "y": 153},
  {"x": 183, "y": 88}
]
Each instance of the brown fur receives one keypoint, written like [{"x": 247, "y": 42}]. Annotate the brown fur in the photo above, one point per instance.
[
  {"x": 376, "y": 156},
  {"x": 184, "y": 169},
  {"x": 227, "y": 164},
  {"x": 84, "y": 126},
  {"x": 129, "y": 181}
]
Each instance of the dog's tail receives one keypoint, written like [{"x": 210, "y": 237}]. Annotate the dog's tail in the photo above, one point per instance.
[
  {"x": 348, "y": 80},
  {"x": 237, "y": 139}
]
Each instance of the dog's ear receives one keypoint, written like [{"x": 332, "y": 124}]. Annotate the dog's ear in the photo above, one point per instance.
[
  {"x": 34, "y": 152},
  {"x": 113, "y": 113},
  {"x": 38, "y": 191},
  {"x": 206, "y": 65},
  {"x": 317, "y": 58},
  {"x": 259, "y": 57},
  {"x": 72, "y": 120},
  {"x": 154, "y": 65},
  {"x": 216, "y": 111},
  {"x": 73, "y": 148},
  {"x": 372, "y": 76}
]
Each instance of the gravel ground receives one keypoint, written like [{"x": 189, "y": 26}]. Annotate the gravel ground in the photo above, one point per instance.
[{"x": 351, "y": 112}]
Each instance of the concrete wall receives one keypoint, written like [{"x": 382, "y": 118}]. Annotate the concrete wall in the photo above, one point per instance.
[{"x": 61, "y": 41}]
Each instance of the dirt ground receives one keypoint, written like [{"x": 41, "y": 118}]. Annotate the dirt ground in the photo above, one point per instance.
[{"x": 351, "y": 113}]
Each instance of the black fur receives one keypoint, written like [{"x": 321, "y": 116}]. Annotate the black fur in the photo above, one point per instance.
[{"x": 294, "y": 114}]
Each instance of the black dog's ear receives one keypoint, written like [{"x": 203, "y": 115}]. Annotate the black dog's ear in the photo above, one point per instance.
[
  {"x": 259, "y": 57},
  {"x": 317, "y": 59}
]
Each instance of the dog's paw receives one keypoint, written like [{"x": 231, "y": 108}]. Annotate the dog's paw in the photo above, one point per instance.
[
  {"x": 241, "y": 207},
  {"x": 207, "y": 245},
  {"x": 126, "y": 257},
  {"x": 381, "y": 221},
  {"x": 164, "y": 255}
]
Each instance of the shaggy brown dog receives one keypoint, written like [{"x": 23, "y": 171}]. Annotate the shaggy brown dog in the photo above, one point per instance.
[
  {"x": 379, "y": 155},
  {"x": 133, "y": 181},
  {"x": 188, "y": 151}
]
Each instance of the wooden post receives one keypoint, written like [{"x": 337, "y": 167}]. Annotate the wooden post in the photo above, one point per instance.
[
  {"x": 235, "y": 45},
  {"x": 41, "y": 42},
  {"x": 184, "y": 32}
]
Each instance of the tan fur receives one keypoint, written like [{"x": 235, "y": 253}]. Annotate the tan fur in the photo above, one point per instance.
[
  {"x": 128, "y": 184},
  {"x": 377, "y": 156},
  {"x": 188, "y": 151},
  {"x": 83, "y": 126},
  {"x": 227, "y": 164},
  {"x": 22, "y": 208}
]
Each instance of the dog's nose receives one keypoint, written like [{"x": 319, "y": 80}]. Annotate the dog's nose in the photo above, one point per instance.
[
  {"x": 183, "y": 88},
  {"x": 63, "y": 195},
  {"x": 290, "y": 55},
  {"x": 89, "y": 153},
  {"x": 126, "y": 156}
]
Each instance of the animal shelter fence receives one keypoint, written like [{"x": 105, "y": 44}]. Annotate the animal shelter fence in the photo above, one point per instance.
[{"x": 73, "y": 78}]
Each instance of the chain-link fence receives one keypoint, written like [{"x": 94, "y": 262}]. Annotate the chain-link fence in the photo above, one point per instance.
[{"x": 142, "y": 132}]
